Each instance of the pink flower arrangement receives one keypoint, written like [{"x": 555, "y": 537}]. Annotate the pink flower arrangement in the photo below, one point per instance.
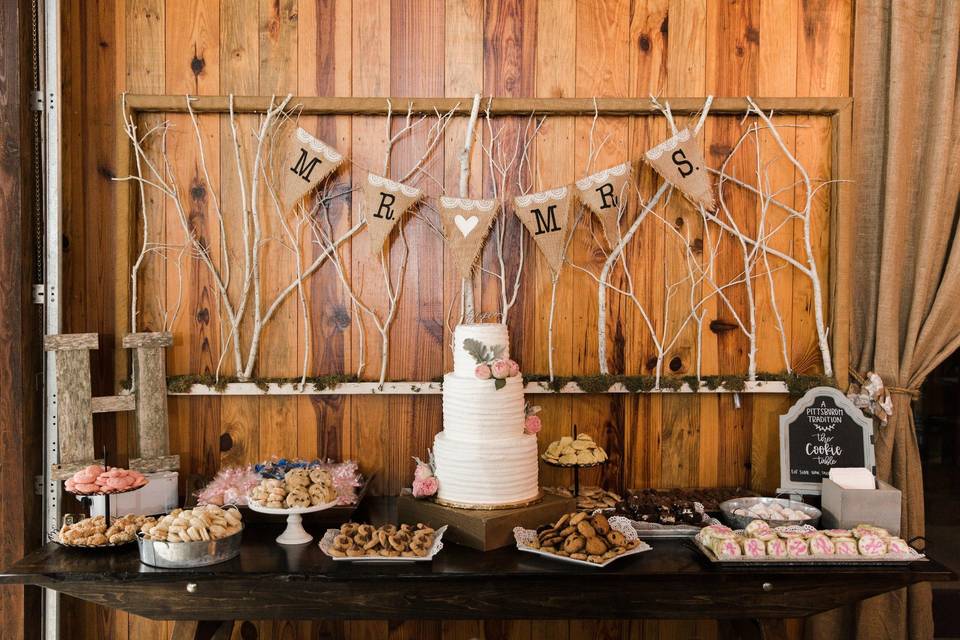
[
  {"x": 532, "y": 425},
  {"x": 483, "y": 372},
  {"x": 425, "y": 483},
  {"x": 514, "y": 368},
  {"x": 423, "y": 471},
  {"x": 425, "y": 487},
  {"x": 500, "y": 369}
]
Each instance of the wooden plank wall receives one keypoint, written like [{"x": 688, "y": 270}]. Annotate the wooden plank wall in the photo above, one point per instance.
[
  {"x": 21, "y": 444},
  {"x": 542, "y": 48}
]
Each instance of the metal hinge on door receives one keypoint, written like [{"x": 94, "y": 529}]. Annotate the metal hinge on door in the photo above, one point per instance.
[
  {"x": 39, "y": 294},
  {"x": 36, "y": 101}
]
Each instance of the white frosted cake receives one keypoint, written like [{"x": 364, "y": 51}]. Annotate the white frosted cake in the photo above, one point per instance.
[{"x": 483, "y": 457}]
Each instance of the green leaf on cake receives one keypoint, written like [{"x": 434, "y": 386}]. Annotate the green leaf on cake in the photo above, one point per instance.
[
  {"x": 497, "y": 351},
  {"x": 499, "y": 383},
  {"x": 476, "y": 350}
]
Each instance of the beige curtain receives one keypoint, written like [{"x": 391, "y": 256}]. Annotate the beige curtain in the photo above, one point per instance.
[{"x": 906, "y": 273}]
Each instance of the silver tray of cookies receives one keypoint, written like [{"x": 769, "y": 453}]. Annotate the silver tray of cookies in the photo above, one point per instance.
[
  {"x": 187, "y": 555},
  {"x": 383, "y": 544}
]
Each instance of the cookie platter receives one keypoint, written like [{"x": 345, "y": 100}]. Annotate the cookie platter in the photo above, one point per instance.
[
  {"x": 761, "y": 545},
  {"x": 420, "y": 544},
  {"x": 570, "y": 538}
]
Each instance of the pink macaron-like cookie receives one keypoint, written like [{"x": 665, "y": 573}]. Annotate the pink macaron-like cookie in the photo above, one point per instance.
[{"x": 86, "y": 488}]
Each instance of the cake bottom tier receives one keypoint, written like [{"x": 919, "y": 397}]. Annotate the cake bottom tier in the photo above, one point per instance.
[{"x": 487, "y": 474}]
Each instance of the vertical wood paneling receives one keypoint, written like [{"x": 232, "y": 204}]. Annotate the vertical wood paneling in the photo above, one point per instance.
[{"x": 500, "y": 47}]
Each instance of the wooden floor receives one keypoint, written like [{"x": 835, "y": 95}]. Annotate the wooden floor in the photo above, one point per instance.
[{"x": 434, "y": 48}]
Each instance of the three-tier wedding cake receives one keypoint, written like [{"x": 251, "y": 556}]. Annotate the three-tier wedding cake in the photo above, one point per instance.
[{"x": 483, "y": 457}]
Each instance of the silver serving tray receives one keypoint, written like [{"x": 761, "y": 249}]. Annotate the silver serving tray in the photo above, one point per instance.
[
  {"x": 186, "y": 555},
  {"x": 806, "y": 561},
  {"x": 655, "y": 530},
  {"x": 739, "y": 522}
]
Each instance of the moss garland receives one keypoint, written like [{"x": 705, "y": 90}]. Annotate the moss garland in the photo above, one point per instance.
[{"x": 591, "y": 384}]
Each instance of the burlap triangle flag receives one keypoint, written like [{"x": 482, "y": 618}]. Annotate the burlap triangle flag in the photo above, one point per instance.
[
  {"x": 603, "y": 193},
  {"x": 546, "y": 215},
  {"x": 465, "y": 226},
  {"x": 384, "y": 201},
  {"x": 680, "y": 162},
  {"x": 306, "y": 162}
]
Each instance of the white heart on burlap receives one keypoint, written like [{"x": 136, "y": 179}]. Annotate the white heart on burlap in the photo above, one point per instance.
[{"x": 466, "y": 225}]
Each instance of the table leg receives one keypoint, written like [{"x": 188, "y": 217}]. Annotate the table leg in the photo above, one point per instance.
[
  {"x": 753, "y": 629},
  {"x": 202, "y": 630}
]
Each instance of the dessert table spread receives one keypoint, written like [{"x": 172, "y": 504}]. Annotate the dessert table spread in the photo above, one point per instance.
[{"x": 271, "y": 581}]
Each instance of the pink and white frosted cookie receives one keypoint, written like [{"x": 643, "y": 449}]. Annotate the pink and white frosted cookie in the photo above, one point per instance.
[
  {"x": 845, "y": 546},
  {"x": 777, "y": 548},
  {"x": 754, "y": 548},
  {"x": 756, "y": 527},
  {"x": 899, "y": 546},
  {"x": 726, "y": 548},
  {"x": 797, "y": 547},
  {"x": 714, "y": 532},
  {"x": 821, "y": 545},
  {"x": 871, "y": 545},
  {"x": 766, "y": 536},
  {"x": 836, "y": 533}
]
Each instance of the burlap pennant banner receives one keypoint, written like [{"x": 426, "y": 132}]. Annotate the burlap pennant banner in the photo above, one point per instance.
[
  {"x": 546, "y": 215},
  {"x": 680, "y": 162},
  {"x": 306, "y": 162},
  {"x": 465, "y": 226},
  {"x": 384, "y": 202},
  {"x": 603, "y": 193}
]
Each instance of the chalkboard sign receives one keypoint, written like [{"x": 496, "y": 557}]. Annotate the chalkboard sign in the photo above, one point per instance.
[{"x": 821, "y": 431}]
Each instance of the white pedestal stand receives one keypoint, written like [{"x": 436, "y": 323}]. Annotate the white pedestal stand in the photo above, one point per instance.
[{"x": 294, "y": 533}]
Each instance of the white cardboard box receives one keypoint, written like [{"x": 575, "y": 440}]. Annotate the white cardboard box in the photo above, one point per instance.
[
  {"x": 846, "y": 508},
  {"x": 159, "y": 496}
]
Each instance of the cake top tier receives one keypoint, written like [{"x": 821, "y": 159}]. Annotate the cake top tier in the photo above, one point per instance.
[{"x": 493, "y": 337}]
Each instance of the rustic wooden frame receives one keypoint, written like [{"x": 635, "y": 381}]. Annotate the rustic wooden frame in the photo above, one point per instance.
[{"x": 838, "y": 109}]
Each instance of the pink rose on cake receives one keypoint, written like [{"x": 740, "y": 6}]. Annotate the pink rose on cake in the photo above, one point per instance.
[
  {"x": 514, "y": 368},
  {"x": 532, "y": 425},
  {"x": 500, "y": 369},
  {"x": 483, "y": 372}
]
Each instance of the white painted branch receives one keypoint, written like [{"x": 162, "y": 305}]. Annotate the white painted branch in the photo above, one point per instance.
[{"x": 467, "y": 283}]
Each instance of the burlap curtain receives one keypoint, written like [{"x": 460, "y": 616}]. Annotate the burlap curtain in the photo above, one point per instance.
[{"x": 906, "y": 274}]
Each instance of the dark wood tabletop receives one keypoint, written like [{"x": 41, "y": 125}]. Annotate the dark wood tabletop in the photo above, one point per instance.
[{"x": 268, "y": 580}]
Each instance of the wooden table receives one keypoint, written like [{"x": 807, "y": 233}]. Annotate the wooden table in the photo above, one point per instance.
[{"x": 269, "y": 581}]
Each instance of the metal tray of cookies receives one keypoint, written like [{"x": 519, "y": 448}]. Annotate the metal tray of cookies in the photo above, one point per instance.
[
  {"x": 806, "y": 561},
  {"x": 326, "y": 544},
  {"x": 187, "y": 555}
]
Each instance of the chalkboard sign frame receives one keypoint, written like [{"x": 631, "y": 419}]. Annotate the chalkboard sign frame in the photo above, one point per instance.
[{"x": 808, "y": 399}]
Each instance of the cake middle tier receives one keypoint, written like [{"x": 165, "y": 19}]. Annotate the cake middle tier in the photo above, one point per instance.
[{"x": 475, "y": 410}]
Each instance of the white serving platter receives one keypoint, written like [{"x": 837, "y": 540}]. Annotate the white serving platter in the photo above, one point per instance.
[
  {"x": 326, "y": 543},
  {"x": 806, "y": 561},
  {"x": 618, "y": 523},
  {"x": 294, "y": 533}
]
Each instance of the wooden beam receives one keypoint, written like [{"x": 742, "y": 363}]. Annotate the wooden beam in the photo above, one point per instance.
[
  {"x": 841, "y": 242},
  {"x": 156, "y": 340},
  {"x": 110, "y": 404},
  {"x": 70, "y": 342},
  {"x": 498, "y": 106}
]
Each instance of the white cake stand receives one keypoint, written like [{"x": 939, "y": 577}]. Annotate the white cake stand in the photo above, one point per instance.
[{"x": 294, "y": 533}]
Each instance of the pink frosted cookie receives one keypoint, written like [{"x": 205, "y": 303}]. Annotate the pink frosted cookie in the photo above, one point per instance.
[
  {"x": 776, "y": 548},
  {"x": 836, "y": 533},
  {"x": 714, "y": 532},
  {"x": 726, "y": 548},
  {"x": 845, "y": 546},
  {"x": 899, "y": 546},
  {"x": 821, "y": 545},
  {"x": 754, "y": 548},
  {"x": 797, "y": 547},
  {"x": 756, "y": 527},
  {"x": 871, "y": 545}
]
